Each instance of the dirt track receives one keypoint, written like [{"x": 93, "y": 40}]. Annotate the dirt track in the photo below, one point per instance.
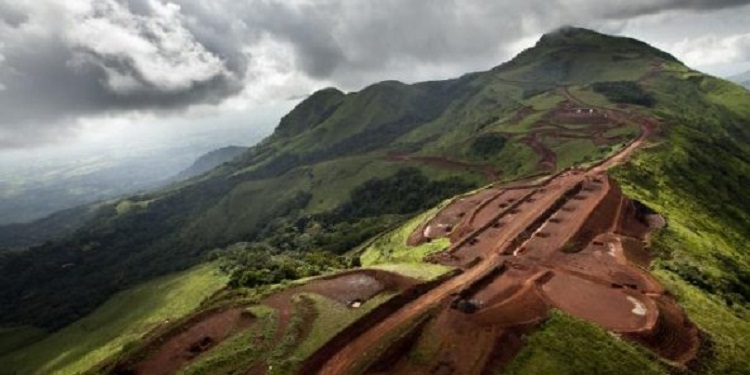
[
  {"x": 566, "y": 243},
  {"x": 571, "y": 119}
]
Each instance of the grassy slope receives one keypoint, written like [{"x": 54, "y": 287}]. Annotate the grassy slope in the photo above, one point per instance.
[
  {"x": 12, "y": 338},
  {"x": 119, "y": 322},
  {"x": 391, "y": 247},
  {"x": 565, "y": 345},
  {"x": 697, "y": 180},
  {"x": 240, "y": 351}
]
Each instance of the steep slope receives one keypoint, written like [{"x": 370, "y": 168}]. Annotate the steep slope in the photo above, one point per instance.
[
  {"x": 344, "y": 167},
  {"x": 121, "y": 322},
  {"x": 210, "y": 160}
]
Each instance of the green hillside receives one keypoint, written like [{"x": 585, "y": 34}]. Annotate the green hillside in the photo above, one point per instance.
[
  {"x": 349, "y": 171},
  {"x": 119, "y": 323}
]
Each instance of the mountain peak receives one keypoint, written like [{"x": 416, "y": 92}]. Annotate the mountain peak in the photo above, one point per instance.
[
  {"x": 568, "y": 45},
  {"x": 311, "y": 111},
  {"x": 572, "y": 35}
]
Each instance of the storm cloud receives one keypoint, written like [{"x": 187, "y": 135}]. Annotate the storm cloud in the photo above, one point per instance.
[{"x": 61, "y": 60}]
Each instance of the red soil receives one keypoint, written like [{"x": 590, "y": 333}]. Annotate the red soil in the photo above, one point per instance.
[
  {"x": 448, "y": 218},
  {"x": 609, "y": 307},
  {"x": 199, "y": 335},
  {"x": 169, "y": 353},
  {"x": 571, "y": 119},
  {"x": 548, "y": 159},
  {"x": 346, "y": 287},
  {"x": 573, "y": 242}
]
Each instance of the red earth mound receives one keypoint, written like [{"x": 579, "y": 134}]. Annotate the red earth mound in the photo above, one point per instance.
[
  {"x": 198, "y": 336},
  {"x": 560, "y": 250},
  {"x": 572, "y": 242}
]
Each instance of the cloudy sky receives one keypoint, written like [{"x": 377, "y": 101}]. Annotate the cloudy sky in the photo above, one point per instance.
[{"x": 72, "y": 70}]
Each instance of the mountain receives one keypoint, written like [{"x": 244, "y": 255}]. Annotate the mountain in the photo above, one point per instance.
[
  {"x": 210, "y": 160},
  {"x": 742, "y": 79},
  {"x": 383, "y": 175}
]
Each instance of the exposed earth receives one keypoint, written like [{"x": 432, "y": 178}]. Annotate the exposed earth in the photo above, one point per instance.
[
  {"x": 569, "y": 241},
  {"x": 168, "y": 353}
]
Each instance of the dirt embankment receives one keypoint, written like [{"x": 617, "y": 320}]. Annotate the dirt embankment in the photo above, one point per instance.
[
  {"x": 570, "y": 257},
  {"x": 572, "y": 242},
  {"x": 188, "y": 339},
  {"x": 169, "y": 353}
]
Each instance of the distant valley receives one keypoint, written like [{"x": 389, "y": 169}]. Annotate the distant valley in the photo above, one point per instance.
[{"x": 32, "y": 187}]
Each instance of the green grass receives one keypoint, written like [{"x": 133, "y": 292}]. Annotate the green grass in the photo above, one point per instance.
[
  {"x": 728, "y": 330},
  {"x": 122, "y": 320},
  {"x": 575, "y": 151},
  {"x": 392, "y": 248},
  {"x": 241, "y": 351},
  {"x": 629, "y": 130},
  {"x": 331, "y": 318},
  {"x": 545, "y": 101},
  {"x": 525, "y": 125},
  {"x": 12, "y": 338},
  {"x": 566, "y": 345},
  {"x": 697, "y": 179},
  {"x": 421, "y": 271},
  {"x": 128, "y": 205},
  {"x": 246, "y": 349},
  {"x": 590, "y": 97}
]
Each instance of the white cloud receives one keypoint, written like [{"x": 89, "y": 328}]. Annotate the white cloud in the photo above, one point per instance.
[
  {"x": 161, "y": 52},
  {"x": 2, "y": 59},
  {"x": 713, "y": 49}
]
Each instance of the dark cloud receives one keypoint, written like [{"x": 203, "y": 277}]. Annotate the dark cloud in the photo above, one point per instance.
[
  {"x": 109, "y": 56},
  {"x": 11, "y": 15},
  {"x": 111, "y": 59}
]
